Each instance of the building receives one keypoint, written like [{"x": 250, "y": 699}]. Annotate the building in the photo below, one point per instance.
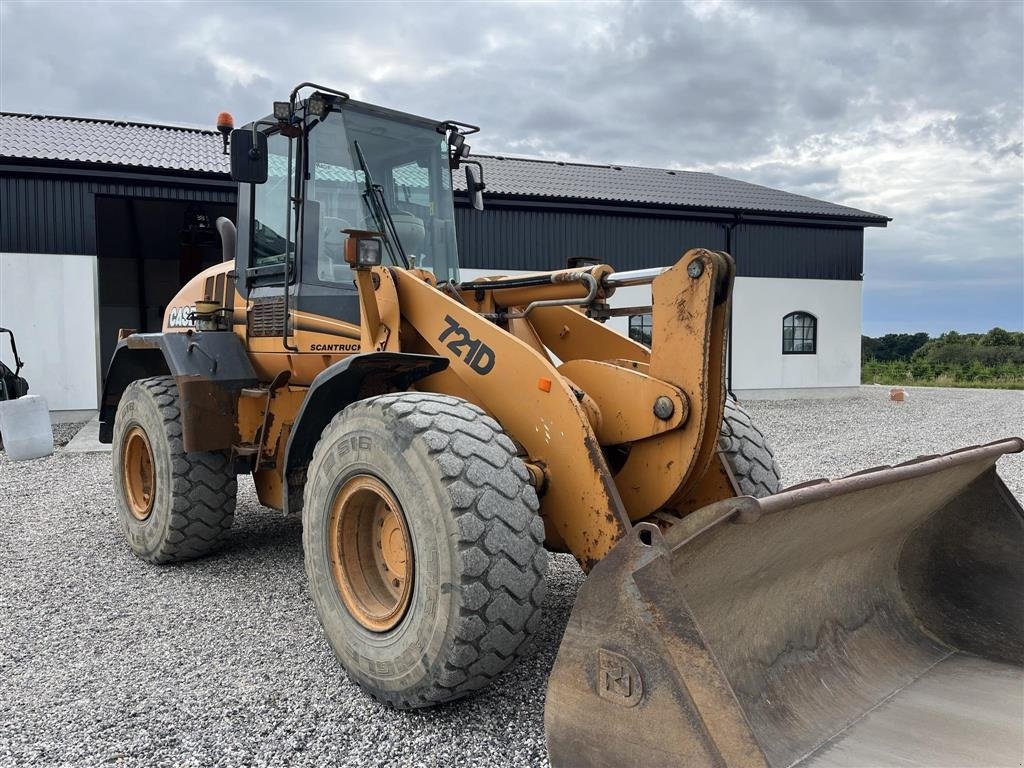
[{"x": 101, "y": 221}]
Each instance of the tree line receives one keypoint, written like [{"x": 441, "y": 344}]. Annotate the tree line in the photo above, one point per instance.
[{"x": 993, "y": 359}]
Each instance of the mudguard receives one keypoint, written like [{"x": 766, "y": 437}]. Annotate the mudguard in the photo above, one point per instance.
[
  {"x": 210, "y": 368},
  {"x": 354, "y": 378}
]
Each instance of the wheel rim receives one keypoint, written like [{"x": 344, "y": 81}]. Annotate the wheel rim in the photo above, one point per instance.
[
  {"x": 371, "y": 553},
  {"x": 137, "y": 472}
]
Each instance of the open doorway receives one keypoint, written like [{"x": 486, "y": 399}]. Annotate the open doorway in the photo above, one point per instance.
[{"x": 147, "y": 249}]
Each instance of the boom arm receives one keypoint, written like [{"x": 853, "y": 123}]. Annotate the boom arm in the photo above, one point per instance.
[
  {"x": 662, "y": 408},
  {"x": 534, "y": 404}
]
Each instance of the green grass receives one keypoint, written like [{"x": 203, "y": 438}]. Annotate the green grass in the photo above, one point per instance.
[{"x": 917, "y": 373}]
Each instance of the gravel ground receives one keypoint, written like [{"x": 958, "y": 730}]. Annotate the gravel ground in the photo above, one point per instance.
[
  {"x": 105, "y": 659},
  {"x": 62, "y": 434}
]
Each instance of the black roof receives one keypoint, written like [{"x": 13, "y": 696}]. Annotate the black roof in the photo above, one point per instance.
[
  {"x": 61, "y": 140},
  {"x": 630, "y": 185},
  {"x": 111, "y": 142}
]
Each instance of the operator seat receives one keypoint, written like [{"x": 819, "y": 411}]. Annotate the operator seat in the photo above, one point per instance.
[
  {"x": 411, "y": 231},
  {"x": 331, "y": 263}
]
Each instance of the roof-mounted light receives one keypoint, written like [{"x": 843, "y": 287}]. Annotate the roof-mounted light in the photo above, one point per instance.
[
  {"x": 317, "y": 105},
  {"x": 282, "y": 111},
  {"x": 225, "y": 123}
]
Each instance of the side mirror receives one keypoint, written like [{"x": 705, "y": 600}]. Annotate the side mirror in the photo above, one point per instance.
[
  {"x": 475, "y": 186},
  {"x": 248, "y": 156}
]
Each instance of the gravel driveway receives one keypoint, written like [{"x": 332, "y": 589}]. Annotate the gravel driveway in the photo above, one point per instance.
[{"x": 105, "y": 659}]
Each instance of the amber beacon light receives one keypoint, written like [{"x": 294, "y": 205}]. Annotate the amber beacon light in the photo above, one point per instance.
[{"x": 225, "y": 123}]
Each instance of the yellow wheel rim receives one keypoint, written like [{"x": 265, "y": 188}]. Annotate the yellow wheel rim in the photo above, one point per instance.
[
  {"x": 371, "y": 553},
  {"x": 138, "y": 474}
]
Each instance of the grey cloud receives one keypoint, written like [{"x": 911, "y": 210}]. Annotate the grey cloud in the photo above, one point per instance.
[
  {"x": 822, "y": 103},
  {"x": 768, "y": 92},
  {"x": 815, "y": 181}
]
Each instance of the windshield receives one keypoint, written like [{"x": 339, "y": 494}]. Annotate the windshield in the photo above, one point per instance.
[{"x": 409, "y": 164}]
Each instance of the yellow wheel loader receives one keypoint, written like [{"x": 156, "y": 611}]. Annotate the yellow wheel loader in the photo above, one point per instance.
[{"x": 439, "y": 436}]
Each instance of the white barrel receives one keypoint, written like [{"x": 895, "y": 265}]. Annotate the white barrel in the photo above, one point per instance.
[{"x": 25, "y": 428}]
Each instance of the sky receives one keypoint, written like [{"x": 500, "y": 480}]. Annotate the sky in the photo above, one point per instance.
[{"x": 913, "y": 110}]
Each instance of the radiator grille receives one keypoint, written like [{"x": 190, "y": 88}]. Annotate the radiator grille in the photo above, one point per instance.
[{"x": 266, "y": 317}]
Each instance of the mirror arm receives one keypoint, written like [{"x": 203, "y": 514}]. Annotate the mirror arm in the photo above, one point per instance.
[
  {"x": 253, "y": 152},
  {"x": 446, "y": 125}
]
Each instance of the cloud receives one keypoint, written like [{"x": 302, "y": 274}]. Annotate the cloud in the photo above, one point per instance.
[{"x": 915, "y": 112}]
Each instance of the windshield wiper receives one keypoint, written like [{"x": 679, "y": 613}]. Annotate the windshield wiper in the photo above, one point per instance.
[{"x": 373, "y": 196}]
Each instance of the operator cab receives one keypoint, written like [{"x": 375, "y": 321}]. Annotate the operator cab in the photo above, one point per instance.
[{"x": 326, "y": 168}]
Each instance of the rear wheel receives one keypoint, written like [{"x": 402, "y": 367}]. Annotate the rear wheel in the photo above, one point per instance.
[
  {"x": 750, "y": 457},
  {"x": 423, "y": 547},
  {"x": 171, "y": 505}
]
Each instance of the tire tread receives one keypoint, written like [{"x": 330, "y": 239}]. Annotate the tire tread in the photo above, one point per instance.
[
  {"x": 750, "y": 457},
  {"x": 500, "y": 538},
  {"x": 203, "y": 485}
]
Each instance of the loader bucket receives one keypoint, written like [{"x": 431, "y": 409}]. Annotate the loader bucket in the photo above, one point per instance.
[{"x": 756, "y": 630}]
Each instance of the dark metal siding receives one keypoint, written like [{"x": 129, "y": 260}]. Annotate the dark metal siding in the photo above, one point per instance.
[
  {"x": 500, "y": 238},
  {"x": 504, "y": 238},
  {"x": 54, "y": 213},
  {"x": 777, "y": 250},
  {"x": 57, "y": 214}
]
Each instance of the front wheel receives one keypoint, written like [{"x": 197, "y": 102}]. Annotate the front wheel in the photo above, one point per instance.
[
  {"x": 750, "y": 457},
  {"x": 423, "y": 547},
  {"x": 172, "y": 505}
]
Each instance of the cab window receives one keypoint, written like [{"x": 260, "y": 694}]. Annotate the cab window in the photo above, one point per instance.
[
  {"x": 412, "y": 185},
  {"x": 408, "y": 166},
  {"x": 270, "y": 238},
  {"x": 336, "y": 188}
]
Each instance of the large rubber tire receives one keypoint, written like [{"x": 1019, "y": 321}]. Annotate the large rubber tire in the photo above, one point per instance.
[
  {"x": 746, "y": 449},
  {"x": 194, "y": 498},
  {"x": 477, "y": 541}
]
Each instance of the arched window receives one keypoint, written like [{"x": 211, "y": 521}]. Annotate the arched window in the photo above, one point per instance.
[
  {"x": 799, "y": 334},
  {"x": 640, "y": 328}
]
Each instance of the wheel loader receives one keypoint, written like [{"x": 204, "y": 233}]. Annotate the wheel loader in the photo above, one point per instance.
[{"x": 438, "y": 437}]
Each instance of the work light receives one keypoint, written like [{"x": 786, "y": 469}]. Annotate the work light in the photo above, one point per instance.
[
  {"x": 363, "y": 252},
  {"x": 316, "y": 105},
  {"x": 369, "y": 252},
  {"x": 282, "y": 111}
]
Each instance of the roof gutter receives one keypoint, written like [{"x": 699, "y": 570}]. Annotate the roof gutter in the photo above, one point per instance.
[
  {"x": 46, "y": 167},
  {"x": 523, "y": 202}
]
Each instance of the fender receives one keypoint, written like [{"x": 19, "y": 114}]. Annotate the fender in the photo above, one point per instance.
[
  {"x": 210, "y": 368},
  {"x": 355, "y": 378}
]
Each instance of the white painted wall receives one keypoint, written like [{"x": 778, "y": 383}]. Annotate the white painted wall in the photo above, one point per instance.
[
  {"x": 759, "y": 304},
  {"x": 49, "y": 301}
]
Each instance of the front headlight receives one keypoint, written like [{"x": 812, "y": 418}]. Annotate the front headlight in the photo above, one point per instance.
[
  {"x": 369, "y": 252},
  {"x": 364, "y": 252}
]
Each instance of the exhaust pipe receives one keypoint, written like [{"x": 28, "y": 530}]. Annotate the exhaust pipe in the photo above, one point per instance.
[{"x": 228, "y": 233}]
